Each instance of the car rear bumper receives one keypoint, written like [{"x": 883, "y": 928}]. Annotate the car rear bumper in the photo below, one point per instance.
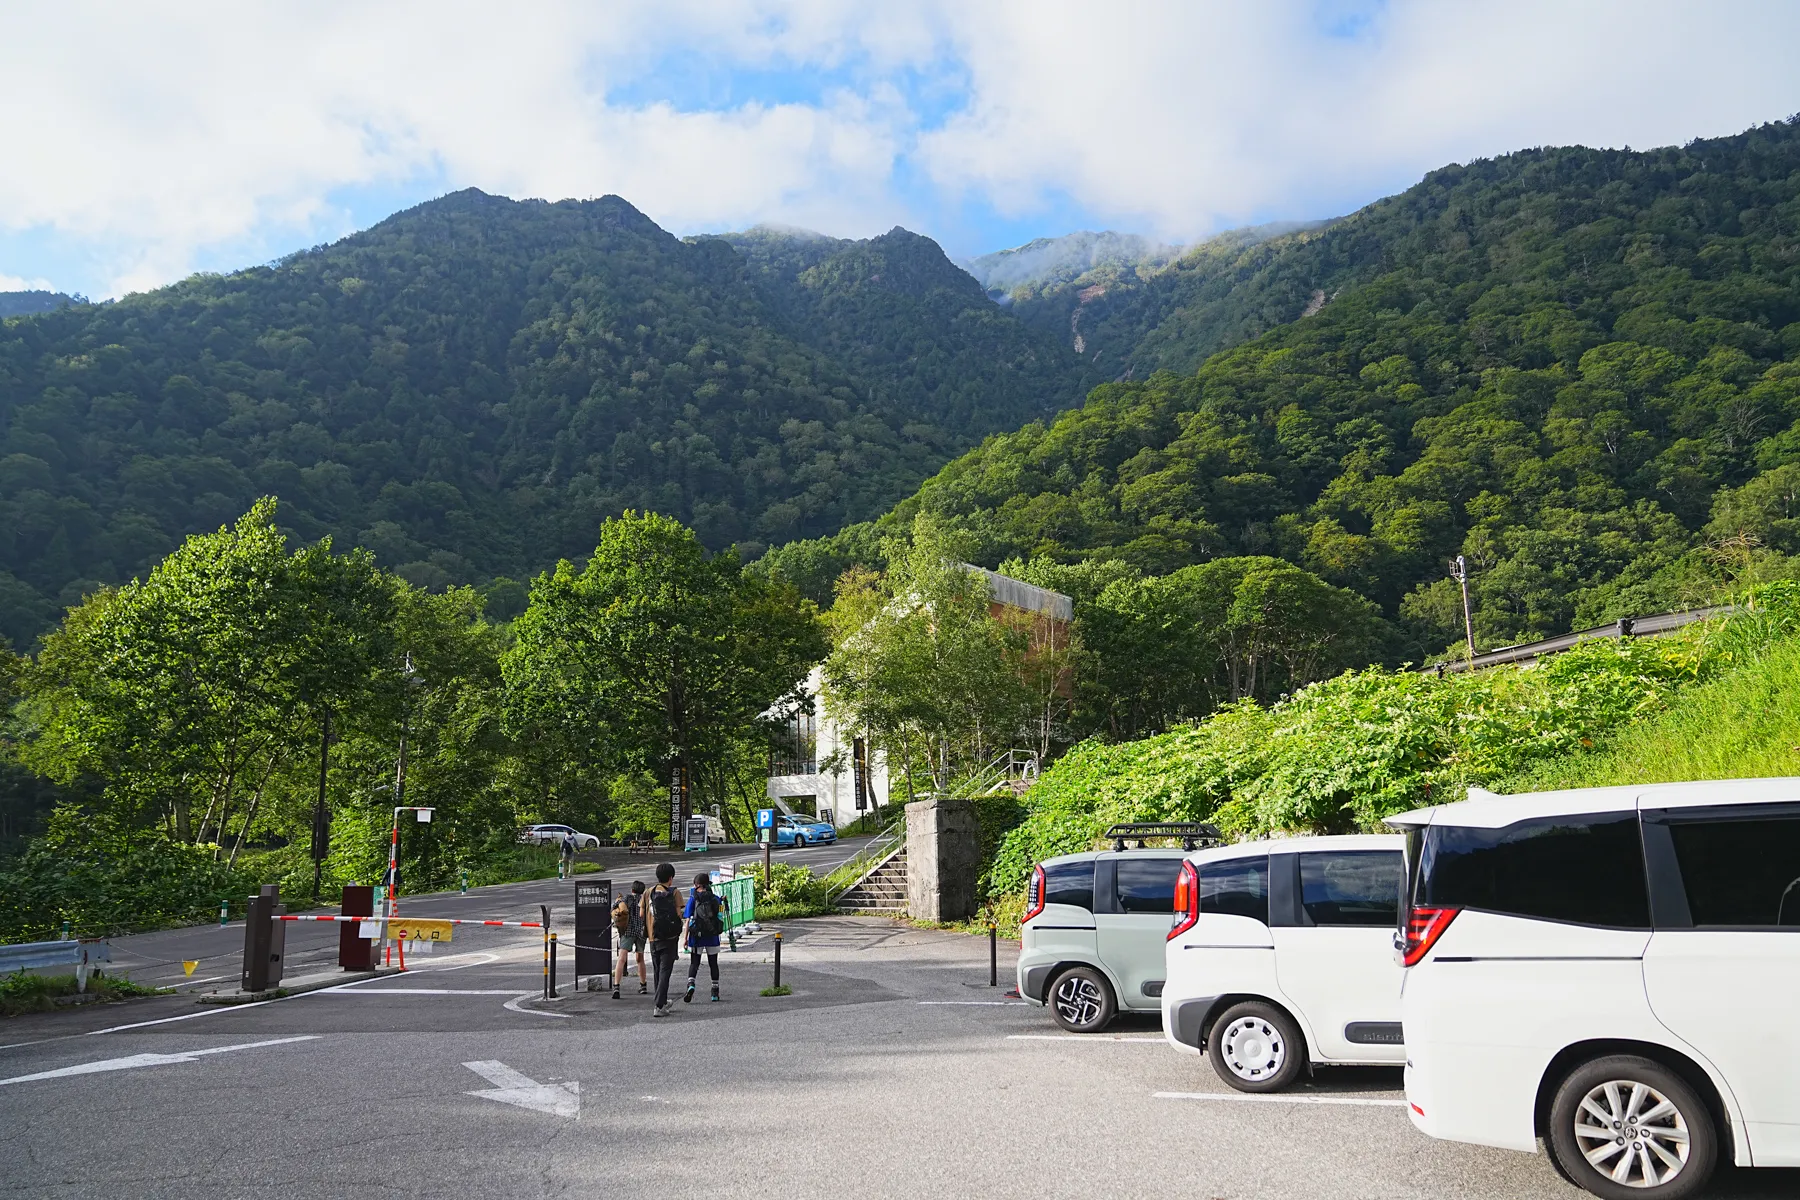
[{"x": 1184, "y": 1021}]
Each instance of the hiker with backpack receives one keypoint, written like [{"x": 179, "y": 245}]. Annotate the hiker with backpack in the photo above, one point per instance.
[
  {"x": 705, "y": 923},
  {"x": 628, "y": 930},
  {"x": 565, "y": 866},
  {"x": 662, "y": 925}
]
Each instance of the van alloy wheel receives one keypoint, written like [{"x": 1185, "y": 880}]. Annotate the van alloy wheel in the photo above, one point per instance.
[
  {"x": 1632, "y": 1134},
  {"x": 1254, "y": 1050},
  {"x": 1078, "y": 1000}
]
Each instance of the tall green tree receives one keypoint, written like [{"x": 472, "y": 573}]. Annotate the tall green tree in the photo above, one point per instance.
[{"x": 655, "y": 654}]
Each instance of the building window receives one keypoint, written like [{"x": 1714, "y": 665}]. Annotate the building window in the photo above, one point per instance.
[{"x": 794, "y": 748}]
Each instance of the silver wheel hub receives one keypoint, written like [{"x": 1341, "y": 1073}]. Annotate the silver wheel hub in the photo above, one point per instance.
[
  {"x": 1632, "y": 1134},
  {"x": 1253, "y": 1049},
  {"x": 1078, "y": 1000}
]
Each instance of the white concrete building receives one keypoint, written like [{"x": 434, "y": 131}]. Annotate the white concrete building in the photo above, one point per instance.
[{"x": 812, "y": 763}]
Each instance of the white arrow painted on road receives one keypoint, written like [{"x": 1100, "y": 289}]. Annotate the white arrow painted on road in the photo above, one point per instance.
[
  {"x": 148, "y": 1060},
  {"x": 510, "y": 1087}
]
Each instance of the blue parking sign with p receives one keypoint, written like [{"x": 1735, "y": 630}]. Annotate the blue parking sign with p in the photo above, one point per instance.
[{"x": 765, "y": 818}]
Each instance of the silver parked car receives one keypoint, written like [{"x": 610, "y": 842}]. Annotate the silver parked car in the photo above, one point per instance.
[{"x": 552, "y": 835}]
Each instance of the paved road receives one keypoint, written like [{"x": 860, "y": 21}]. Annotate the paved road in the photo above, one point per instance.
[
  {"x": 157, "y": 958},
  {"x": 891, "y": 1071}
]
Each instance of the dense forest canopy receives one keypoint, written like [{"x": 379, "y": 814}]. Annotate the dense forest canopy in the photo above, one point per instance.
[
  {"x": 470, "y": 387},
  {"x": 1580, "y": 368}
]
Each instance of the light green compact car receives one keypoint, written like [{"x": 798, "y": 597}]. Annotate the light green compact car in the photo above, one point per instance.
[{"x": 1091, "y": 945}]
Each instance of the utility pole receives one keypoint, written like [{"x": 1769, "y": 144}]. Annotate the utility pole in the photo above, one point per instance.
[
  {"x": 1459, "y": 571},
  {"x": 321, "y": 838}
]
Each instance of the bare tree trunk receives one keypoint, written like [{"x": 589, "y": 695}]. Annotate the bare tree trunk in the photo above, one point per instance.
[{"x": 255, "y": 803}]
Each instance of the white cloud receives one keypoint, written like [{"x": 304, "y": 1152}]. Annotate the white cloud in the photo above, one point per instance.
[
  {"x": 177, "y": 130},
  {"x": 12, "y": 283}
]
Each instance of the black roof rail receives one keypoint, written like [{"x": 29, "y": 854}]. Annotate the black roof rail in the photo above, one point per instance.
[{"x": 1193, "y": 834}]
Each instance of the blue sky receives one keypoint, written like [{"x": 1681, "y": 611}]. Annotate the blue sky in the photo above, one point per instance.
[{"x": 213, "y": 137}]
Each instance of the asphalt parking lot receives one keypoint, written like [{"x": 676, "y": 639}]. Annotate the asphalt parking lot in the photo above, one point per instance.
[{"x": 893, "y": 1070}]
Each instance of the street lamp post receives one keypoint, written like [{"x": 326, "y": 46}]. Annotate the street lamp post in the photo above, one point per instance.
[{"x": 1459, "y": 571}]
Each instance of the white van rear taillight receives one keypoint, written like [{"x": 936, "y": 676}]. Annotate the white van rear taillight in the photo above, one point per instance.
[
  {"x": 1424, "y": 926},
  {"x": 1187, "y": 901},
  {"x": 1034, "y": 894}
]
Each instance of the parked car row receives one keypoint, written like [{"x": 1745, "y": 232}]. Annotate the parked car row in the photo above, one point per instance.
[{"x": 1610, "y": 976}]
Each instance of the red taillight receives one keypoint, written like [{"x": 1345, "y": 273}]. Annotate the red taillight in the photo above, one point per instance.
[
  {"x": 1187, "y": 901},
  {"x": 1034, "y": 894},
  {"x": 1424, "y": 926}
]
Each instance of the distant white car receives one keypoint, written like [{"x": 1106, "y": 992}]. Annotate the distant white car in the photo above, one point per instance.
[
  {"x": 1280, "y": 956},
  {"x": 553, "y": 835}
]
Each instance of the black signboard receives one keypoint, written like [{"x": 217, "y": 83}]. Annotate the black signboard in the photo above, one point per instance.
[
  {"x": 860, "y": 759},
  {"x": 678, "y": 804},
  {"x": 593, "y": 927}
]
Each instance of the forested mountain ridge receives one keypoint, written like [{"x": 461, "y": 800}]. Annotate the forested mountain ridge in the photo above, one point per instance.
[
  {"x": 919, "y": 328},
  {"x": 1577, "y": 367},
  {"x": 23, "y": 304},
  {"x": 469, "y": 387}
]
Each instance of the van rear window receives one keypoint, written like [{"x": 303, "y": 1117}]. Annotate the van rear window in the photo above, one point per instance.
[
  {"x": 1070, "y": 883},
  {"x": 1588, "y": 870}
]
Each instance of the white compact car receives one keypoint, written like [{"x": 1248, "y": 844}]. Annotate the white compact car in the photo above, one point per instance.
[
  {"x": 552, "y": 835},
  {"x": 1612, "y": 973},
  {"x": 1280, "y": 957}
]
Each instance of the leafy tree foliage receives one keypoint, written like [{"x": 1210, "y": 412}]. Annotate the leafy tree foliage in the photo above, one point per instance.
[
  {"x": 470, "y": 387},
  {"x": 655, "y": 653}
]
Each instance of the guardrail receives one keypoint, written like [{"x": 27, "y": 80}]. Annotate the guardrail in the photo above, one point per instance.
[
  {"x": 37, "y": 956},
  {"x": 1622, "y": 628}
]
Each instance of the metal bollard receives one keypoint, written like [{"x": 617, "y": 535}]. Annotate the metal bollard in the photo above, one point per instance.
[
  {"x": 65, "y": 936},
  {"x": 465, "y": 881},
  {"x": 993, "y": 955},
  {"x": 224, "y": 913},
  {"x": 552, "y": 991},
  {"x": 777, "y": 958}
]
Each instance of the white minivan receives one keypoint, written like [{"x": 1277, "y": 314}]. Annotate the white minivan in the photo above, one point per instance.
[
  {"x": 1279, "y": 957},
  {"x": 1612, "y": 974}
]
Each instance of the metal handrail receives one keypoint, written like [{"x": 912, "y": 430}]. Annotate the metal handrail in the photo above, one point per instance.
[{"x": 877, "y": 853}]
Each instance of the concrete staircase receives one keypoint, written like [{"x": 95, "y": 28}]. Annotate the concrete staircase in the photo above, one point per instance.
[{"x": 882, "y": 890}]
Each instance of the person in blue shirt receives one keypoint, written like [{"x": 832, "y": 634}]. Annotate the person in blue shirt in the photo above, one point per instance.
[{"x": 705, "y": 915}]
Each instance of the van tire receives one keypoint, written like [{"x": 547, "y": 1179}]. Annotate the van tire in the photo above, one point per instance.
[
  {"x": 1593, "y": 1077},
  {"x": 1088, "y": 1005},
  {"x": 1263, "y": 1030}
]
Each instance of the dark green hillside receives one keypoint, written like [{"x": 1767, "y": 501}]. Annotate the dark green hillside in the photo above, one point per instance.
[
  {"x": 1552, "y": 362},
  {"x": 23, "y": 304},
  {"x": 919, "y": 328},
  {"x": 471, "y": 386}
]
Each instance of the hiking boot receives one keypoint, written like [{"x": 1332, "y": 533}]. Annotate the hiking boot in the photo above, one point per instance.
[
  {"x": 715, "y": 993},
  {"x": 643, "y": 989},
  {"x": 615, "y": 993},
  {"x": 687, "y": 997},
  {"x": 659, "y": 1012}
]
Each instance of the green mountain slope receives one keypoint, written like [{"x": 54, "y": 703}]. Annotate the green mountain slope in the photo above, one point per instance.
[
  {"x": 919, "y": 328},
  {"x": 1554, "y": 362},
  {"x": 471, "y": 386},
  {"x": 23, "y": 304}
]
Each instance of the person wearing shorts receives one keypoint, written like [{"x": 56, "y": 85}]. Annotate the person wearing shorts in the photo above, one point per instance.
[{"x": 630, "y": 936}]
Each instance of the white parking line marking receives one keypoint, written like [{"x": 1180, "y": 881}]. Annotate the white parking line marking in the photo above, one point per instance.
[
  {"x": 1076, "y": 1037},
  {"x": 149, "y": 1060},
  {"x": 975, "y": 1003},
  {"x": 1347, "y": 1101},
  {"x": 513, "y": 1005},
  {"x": 427, "y": 992}
]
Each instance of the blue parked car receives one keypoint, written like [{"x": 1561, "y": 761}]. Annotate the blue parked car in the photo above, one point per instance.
[{"x": 796, "y": 830}]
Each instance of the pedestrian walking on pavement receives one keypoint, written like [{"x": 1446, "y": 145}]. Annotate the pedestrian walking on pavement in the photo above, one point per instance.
[
  {"x": 628, "y": 928},
  {"x": 705, "y": 923},
  {"x": 662, "y": 925},
  {"x": 566, "y": 865}
]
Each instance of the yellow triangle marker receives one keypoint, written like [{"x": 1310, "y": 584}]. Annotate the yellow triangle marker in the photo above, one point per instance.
[{"x": 188, "y": 965}]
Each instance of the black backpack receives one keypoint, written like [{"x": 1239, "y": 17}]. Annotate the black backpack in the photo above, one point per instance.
[
  {"x": 665, "y": 914},
  {"x": 706, "y": 923}
]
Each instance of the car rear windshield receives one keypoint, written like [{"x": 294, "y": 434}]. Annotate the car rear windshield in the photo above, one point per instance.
[
  {"x": 1070, "y": 883},
  {"x": 1146, "y": 885},
  {"x": 1586, "y": 869}
]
